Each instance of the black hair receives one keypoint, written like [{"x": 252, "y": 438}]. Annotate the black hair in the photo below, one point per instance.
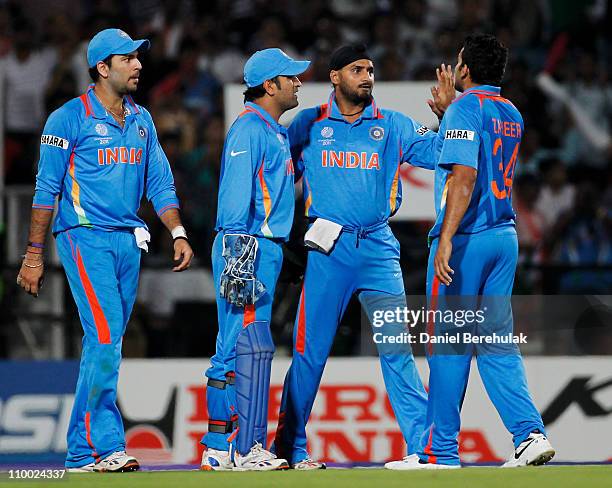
[
  {"x": 255, "y": 92},
  {"x": 93, "y": 72},
  {"x": 486, "y": 58}
]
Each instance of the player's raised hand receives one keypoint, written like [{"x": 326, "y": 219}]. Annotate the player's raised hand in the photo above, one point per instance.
[
  {"x": 444, "y": 92},
  {"x": 441, "y": 267},
  {"x": 30, "y": 276},
  {"x": 182, "y": 253}
]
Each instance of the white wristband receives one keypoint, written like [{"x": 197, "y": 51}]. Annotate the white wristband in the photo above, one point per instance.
[{"x": 179, "y": 231}]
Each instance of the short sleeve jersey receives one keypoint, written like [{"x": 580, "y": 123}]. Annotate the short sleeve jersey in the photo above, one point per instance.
[{"x": 481, "y": 130}]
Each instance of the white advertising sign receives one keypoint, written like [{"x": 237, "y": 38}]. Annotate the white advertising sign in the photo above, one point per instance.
[{"x": 164, "y": 408}]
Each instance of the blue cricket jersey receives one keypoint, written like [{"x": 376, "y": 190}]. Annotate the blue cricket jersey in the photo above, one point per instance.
[
  {"x": 481, "y": 130},
  {"x": 351, "y": 170},
  {"x": 99, "y": 170},
  {"x": 256, "y": 190}
]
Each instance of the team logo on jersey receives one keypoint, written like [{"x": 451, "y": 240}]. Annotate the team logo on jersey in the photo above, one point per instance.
[
  {"x": 142, "y": 132},
  {"x": 466, "y": 135},
  {"x": 377, "y": 133},
  {"x": 102, "y": 130},
  {"x": 422, "y": 130},
  {"x": 49, "y": 140},
  {"x": 327, "y": 132}
]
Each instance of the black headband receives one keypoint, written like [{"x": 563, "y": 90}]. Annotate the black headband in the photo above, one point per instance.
[{"x": 346, "y": 55}]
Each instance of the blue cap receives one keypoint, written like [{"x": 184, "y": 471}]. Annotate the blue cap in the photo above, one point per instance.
[
  {"x": 112, "y": 41},
  {"x": 268, "y": 63}
]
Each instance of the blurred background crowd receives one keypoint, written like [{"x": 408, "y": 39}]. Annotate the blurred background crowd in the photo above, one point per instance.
[{"x": 562, "y": 191}]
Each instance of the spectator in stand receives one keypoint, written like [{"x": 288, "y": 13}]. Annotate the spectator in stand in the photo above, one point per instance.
[
  {"x": 583, "y": 237},
  {"x": 199, "y": 91},
  {"x": 556, "y": 195},
  {"x": 198, "y": 179},
  {"x": 530, "y": 222},
  {"x": 25, "y": 72}
]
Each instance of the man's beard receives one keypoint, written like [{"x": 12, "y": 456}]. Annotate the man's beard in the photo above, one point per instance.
[
  {"x": 354, "y": 97},
  {"x": 291, "y": 103},
  {"x": 127, "y": 89}
]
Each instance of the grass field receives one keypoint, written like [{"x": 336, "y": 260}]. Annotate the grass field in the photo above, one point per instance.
[{"x": 542, "y": 477}]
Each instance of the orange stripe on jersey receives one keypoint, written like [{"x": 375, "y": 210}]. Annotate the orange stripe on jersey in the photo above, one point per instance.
[
  {"x": 494, "y": 98},
  {"x": 133, "y": 104},
  {"x": 100, "y": 321},
  {"x": 308, "y": 202},
  {"x": 300, "y": 338},
  {"x": 249, "y": 315},
  {"x": 322, "y": 112},
  {"x": 251, "y": 109},
  {"x": 394, "y": 188},
  {"x": 431, "y": 458},
  {"x": 88, "y": 434},
  {"x": 445, "y": 191},
  {"x": 85, "y": 100},
  {"x": 267, "y": 201},
  {"x": 433, "y": 305},
  {"x": 76, "y": 189}
]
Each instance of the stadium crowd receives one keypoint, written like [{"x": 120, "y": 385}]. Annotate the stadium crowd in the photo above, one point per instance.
[{"x": 563, "y": 185}]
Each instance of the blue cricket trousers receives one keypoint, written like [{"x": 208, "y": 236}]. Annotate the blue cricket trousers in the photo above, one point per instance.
[
  {"x": 484, "y": 265},
  {"x": 102, "y": 270},
  {"x": 366, "y": 262},
  {"x": 221, "y": 402}
]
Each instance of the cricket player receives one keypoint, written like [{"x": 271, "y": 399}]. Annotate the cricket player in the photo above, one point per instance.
[
  {"x": 472, "y": 262},
  {"x": 254, "y": 217},
  {"x": 100, "y": 154},
  {"x": 350, "y": 151}
]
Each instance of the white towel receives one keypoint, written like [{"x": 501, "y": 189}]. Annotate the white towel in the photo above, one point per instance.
[
  {"x": 142, "y": 237},
  {"x": 322, "y": 235}
]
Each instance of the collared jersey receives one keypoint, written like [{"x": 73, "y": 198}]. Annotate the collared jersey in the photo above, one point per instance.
[
  {"x": 100, "y": 170},
  {"x": 481, "y": 130},
  {"x": 256, "y": 190},
  {"x": 352, "y": 170}
]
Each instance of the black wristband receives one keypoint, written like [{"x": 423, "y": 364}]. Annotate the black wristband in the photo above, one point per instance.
[{"x": 180, "y": 237}]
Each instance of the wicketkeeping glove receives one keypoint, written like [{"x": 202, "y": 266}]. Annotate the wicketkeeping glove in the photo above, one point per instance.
[{"x": 239, "y": 286}]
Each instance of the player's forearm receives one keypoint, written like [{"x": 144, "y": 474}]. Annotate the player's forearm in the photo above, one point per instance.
[
  {"x": 39, "y": 225},
  {"x": 460, "y": 188},
  {"x": 171, "y": 218}
]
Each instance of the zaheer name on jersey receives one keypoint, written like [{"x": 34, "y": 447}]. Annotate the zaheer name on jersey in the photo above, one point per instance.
[{"x": 99, "y": 170}]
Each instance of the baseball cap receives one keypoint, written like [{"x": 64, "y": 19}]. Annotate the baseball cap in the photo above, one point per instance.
[
  {"x": 268, "y": 63},
  {"x": 112, "y": 41}
]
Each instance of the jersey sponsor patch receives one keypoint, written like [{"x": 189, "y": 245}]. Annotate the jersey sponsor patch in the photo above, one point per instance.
[
  {"x": 50, "y": 140},
  {"x": 466, "y": 135},
  {"x": 422, "y": 130}
]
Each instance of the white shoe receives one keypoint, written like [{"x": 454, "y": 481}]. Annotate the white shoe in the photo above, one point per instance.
[
  {"x": 533, "y": 451},
  {"x": 215, "y": 460},
  {"x": 308, "y": 464},
  {"x": 258, "y": 459},
  {"x": 413, "y": 461},
  {"x": 86, "y": 468},
  {"x": 117, "y": 462}
]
